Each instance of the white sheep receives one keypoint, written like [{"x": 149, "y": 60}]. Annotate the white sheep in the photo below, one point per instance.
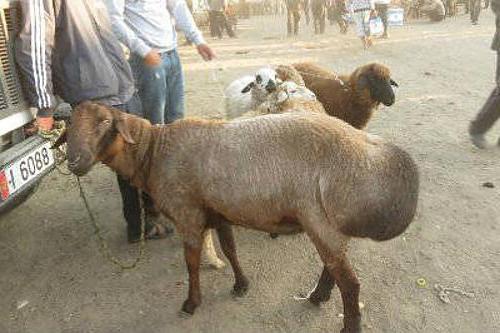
[
  {"x": 288, "y": 96},
  {"x": 248, "y": 92}
]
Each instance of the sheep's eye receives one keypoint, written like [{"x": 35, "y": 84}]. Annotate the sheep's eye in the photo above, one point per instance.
[{"x": 258, "y": 79}]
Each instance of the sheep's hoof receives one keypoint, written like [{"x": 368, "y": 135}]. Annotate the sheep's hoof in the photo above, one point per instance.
[
  {"x": 189, "y": 307},
  {"x": 318, "y": 298},
  {"x": 273, "y": 235},
  {"x": 240, "y": 288},
  {"x": 351, "y": 330},
  {"x": 352, "y": 326}
]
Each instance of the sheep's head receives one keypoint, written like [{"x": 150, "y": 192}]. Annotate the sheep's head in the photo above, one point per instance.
[
  {"x": 97, "y": 133},
  {"x": 290, "y": 90},
  {"x": 376, "y": 79},
  {"x": 286, "y": 92},
  {"x": 265, "y": 80}
]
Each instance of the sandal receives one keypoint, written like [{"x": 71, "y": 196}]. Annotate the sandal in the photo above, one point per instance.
[
  {"x": 153, "y": 231},
  {"x": 158, "y": 231}
]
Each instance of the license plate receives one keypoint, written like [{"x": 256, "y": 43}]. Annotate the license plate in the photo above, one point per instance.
[{"x": 22, "y": 171}]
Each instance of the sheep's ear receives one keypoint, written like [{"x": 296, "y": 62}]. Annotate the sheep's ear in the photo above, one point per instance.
[
  {"x": 122, "y": 127},
  {"x": 248, "y": 87},
  {"x": 394, "y": 83},
  {"x": 62, "y": 139}
]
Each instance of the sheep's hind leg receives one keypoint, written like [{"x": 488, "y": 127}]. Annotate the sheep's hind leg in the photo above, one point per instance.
[
  {"x": 226, "y": 239},
  {"x": 323, "y": 290}
]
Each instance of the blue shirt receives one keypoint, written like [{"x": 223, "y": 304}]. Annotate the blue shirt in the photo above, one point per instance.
[{"x": 143, "y": 25}]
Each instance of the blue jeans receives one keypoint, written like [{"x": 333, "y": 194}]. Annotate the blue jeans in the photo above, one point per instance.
[{"x": 160, "y": 88}]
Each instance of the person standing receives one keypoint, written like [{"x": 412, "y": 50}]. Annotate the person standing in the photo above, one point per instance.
[
  {"x": 67, "y": 48},
  {"x": 382, "y": 7},
  {"x": 318, "y": 8},
  {"x": 306, "y": 4},
  {"x": 339, "y": 12},
  {"x": 292, "y": 16},
  {"x": 363, "y": 10},
  {"x": 147, "y": 28},
  {"x": 218, "y": 19},
  {"x": 475, "y": 10},
  {"x": 490, "y": 112}
]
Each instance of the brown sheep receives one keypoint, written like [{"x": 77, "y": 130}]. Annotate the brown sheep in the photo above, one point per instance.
[
  {"x": 352, "y": 98},
  {"x": 282, "y": 173}
]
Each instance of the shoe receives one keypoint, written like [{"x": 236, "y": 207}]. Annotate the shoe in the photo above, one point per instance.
[
  {"x": 153, "y": 231},
  {"x": 156, "y": 228},
  {"x": 478, "y": 140}
]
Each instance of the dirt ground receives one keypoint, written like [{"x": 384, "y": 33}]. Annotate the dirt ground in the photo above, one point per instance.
[{"x": 54, "y": 279}]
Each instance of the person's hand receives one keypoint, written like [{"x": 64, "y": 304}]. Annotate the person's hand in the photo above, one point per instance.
[
  {"x": 45, "y": 123},
  {"x": 153, "y": 58},
  {"x": 205, "y": 52}
]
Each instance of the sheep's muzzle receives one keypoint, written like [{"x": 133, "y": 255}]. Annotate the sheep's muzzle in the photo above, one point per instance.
[
  {"x": 80, "y": 161},
  {"x": 92, "y": 130},
  {"x": 383, "y": 92},
  {"x": 271, "y": 86}
]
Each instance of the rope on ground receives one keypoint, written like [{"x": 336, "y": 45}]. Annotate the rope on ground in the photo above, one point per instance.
[{"x": 104, "y": 244}]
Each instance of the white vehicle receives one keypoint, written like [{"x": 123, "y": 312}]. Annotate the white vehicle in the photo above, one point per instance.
[{"x": 23, "y": 160}]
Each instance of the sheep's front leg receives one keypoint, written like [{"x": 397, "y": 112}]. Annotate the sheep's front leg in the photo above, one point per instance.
[
  {"x": 226, "y": 239},
  {"x": 323, "y": 290},
  {"x": 349, "y": 289},
  {"x": 332, "y": 247},
  {"x": 192, "y": 253}
]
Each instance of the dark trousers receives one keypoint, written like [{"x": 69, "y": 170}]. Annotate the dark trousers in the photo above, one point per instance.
[
  {"x": 130, "y": 194},
  {"x": 490, "y": 112},
  {"x": 218, "y": 22},
  {"x": 475, "y": 10},
  {"x": 306, "y": 12},
  {"x": 336, "y": 13},
  {"x": 319, "y": 18},
  {"x": 319, "y": 21},
  {"x": 292, "y": 22}
]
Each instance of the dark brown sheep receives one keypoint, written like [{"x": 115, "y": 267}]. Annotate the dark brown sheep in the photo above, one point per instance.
[
  {"x": 282, "y": 173},
  {"x": 352, "y": 98}
]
